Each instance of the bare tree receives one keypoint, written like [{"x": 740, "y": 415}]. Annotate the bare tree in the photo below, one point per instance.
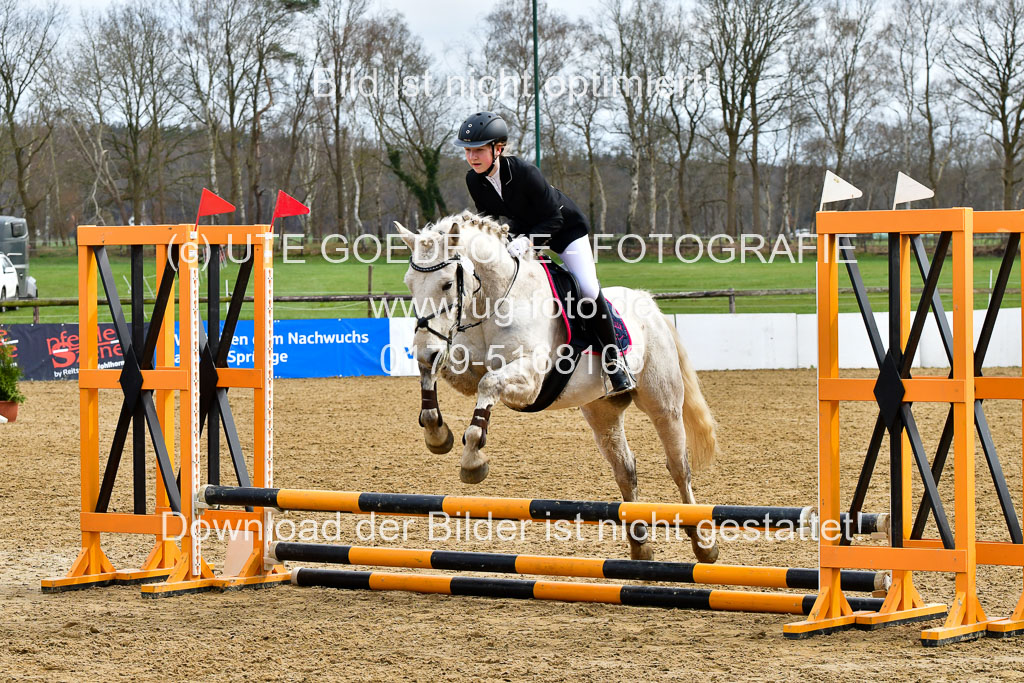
[
  {"x": 574, "y": 64},
  {"x": 632, "y": 46},
  {"x": 81, "y": 97},
  {"x": 107, "y": 128},
  {"x": 294, "y": 125},
  {"x": 844, "y": 89},
  {"x": 136, "y": 69},
  {"x": 583, "y": 108},
  {"x": 722, "y": 24},
  {"x": 797, "y": 121},
  {"x": 772, "y": 24},
  {"x": 28, "y": 39},
  {"x": 339, "y": 25},
  {"x": 919, "y": 35},
  {"x": 219, "y": 54},
  {"x": 506, "y": 55},
  {"x": 202, "y": 64},
  {"x": 269, "y": 22},
  {"x": 687, "y": 63},
  {"x": 413, "y": 119},
  {"x": 986, "y": 60},
  {"x": 295, "y": 119}
]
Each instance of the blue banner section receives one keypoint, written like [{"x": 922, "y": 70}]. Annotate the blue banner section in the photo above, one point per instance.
[
  {"x": 318, "y": 348},
  {"x": 302, "y": 348}
]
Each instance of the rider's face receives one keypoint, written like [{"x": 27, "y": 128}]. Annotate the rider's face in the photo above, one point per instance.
[{"x": 479, "y": 158}]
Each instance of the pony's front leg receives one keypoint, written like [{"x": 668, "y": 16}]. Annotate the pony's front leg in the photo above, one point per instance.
[
  {"x": 514, "y": 383},
  {"x": 436, "y": 434}
]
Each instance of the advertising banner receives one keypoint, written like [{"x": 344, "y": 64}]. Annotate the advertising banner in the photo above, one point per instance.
[{"x": 302, "y": 348}]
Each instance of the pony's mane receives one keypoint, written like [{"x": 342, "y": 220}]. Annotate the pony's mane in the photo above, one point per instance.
[{"x": 484, "y": 224}]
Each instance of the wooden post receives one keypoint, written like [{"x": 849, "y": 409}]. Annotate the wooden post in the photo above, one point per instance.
[{"x": 369, "y": 291}]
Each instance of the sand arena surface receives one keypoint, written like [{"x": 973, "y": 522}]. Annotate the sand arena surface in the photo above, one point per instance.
[{"x": 361, "y": 434}]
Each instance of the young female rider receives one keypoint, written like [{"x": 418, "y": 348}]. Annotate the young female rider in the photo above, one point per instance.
[{"x": 538, "y": 215}]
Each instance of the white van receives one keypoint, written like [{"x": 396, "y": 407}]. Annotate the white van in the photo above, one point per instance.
[
  {"x": 14, "y": 244},
  {"x": 8, "y": 279}
]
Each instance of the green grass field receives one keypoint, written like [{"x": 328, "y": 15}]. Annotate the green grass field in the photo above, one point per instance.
[{"x": 57, "y": 278}]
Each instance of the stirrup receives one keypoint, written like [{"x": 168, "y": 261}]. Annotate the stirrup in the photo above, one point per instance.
[{"x": 621, "y": 379}]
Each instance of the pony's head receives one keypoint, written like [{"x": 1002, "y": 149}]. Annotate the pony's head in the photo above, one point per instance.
[{"x": 446, "y": 260}]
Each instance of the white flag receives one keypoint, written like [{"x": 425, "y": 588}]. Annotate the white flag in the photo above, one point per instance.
[
  {"x": 836, "y": 190},
  {"x": 909, "y": 190}
]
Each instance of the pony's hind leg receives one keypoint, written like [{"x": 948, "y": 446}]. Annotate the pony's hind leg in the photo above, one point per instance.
[
  {"x": 605, "y": 419},
  {"x": 669, "y": 424}
]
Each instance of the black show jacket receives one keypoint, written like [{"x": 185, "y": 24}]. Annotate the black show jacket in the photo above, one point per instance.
[{"x": 531, "y": 206}]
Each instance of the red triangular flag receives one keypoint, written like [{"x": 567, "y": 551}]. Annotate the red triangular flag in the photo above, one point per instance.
[
  {"x": 210, "y": 205},
  {"x": 288, "y": 206}
]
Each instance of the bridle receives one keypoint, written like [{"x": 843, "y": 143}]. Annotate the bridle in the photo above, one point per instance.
[{"x": 423, "y": 322}]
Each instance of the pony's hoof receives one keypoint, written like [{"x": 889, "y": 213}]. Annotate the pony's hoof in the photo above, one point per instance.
[
  {"x": 706, "y": 555},
  {"x": 475, "y": 475},
  {"x": 641, "y": 552},
  {"x": 443, "y": 448}
]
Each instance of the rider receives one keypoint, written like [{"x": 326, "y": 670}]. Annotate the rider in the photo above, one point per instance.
[{"x": 538, "y": 215}]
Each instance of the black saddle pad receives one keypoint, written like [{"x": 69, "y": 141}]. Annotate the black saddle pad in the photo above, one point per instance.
[
  {"x": 576, "y": 317},
  {"x": 579, "y": 333}
]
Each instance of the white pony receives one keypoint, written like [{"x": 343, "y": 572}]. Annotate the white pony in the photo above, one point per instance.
[{"x": 481, "y": 329}]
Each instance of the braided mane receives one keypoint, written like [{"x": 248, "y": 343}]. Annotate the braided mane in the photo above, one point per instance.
[{"x": 483, "y": 224}]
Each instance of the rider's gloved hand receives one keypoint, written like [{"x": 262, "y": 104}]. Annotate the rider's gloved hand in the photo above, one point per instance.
[{"x": 519, "y": 246}]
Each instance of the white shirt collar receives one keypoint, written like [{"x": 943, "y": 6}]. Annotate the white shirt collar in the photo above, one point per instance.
[{"x": 495, "y": 178}]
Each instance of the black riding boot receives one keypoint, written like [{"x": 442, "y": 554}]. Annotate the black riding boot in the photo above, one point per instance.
[{"x": 613, "y": 363}]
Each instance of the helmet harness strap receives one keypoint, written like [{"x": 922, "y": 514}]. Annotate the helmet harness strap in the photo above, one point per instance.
[{"x": 494, "y": 160}]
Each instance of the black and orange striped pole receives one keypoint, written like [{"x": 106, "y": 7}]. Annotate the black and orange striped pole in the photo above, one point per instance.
[
  {"x": 582, "y": 567},
  {"x": 667, "y": 597},
  {"x": 537, "y": 509}
]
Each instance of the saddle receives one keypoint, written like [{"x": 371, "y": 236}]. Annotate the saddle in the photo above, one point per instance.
[{"x": 580, "y": 333}]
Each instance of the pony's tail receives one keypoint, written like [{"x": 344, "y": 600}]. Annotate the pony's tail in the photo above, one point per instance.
[{"x": 699, "y": 423}]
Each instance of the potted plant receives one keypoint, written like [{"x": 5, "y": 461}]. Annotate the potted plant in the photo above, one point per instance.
[{"x": 10, "y": 397}]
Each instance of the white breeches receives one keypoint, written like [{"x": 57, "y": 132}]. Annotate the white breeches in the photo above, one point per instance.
[{"x": 578, "y": 259}]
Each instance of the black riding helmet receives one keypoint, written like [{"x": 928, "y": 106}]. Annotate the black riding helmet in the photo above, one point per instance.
[{"x": 482, "y": 128}]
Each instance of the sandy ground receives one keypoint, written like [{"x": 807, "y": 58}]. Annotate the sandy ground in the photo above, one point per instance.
[{"x": 361, "y": 434}]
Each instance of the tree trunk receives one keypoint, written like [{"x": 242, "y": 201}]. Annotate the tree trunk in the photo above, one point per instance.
[
  {"x": 356, "y": 189},
  {"x": 934, "y": 174},
  {"x": 160, "y": 212},
  {"x": 57, "y": 218},
  {"x": 652, "y": 192},
  {"x": 211, "y": 140},
  {"x": 686, "y": 220},
  {"x": 634, "y": 188},
  {"x": 22, "y": 175},
  {"x": 341, "y": 191},
  {"x": 1009, "y": 166},
  {"x": 255, "y": 174},
  {"x": 235, "y": 166},
  {"x": 591, "y": 180},
  {"x": 731, "y": 227},
  {"x": 755, "y": 166},
  {"x": 377, "y": 198}
]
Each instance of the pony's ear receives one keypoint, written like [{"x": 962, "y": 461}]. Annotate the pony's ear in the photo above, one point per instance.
[
  {"x": 453, "y": 235},
  {"x": 407, "y": 236}
]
